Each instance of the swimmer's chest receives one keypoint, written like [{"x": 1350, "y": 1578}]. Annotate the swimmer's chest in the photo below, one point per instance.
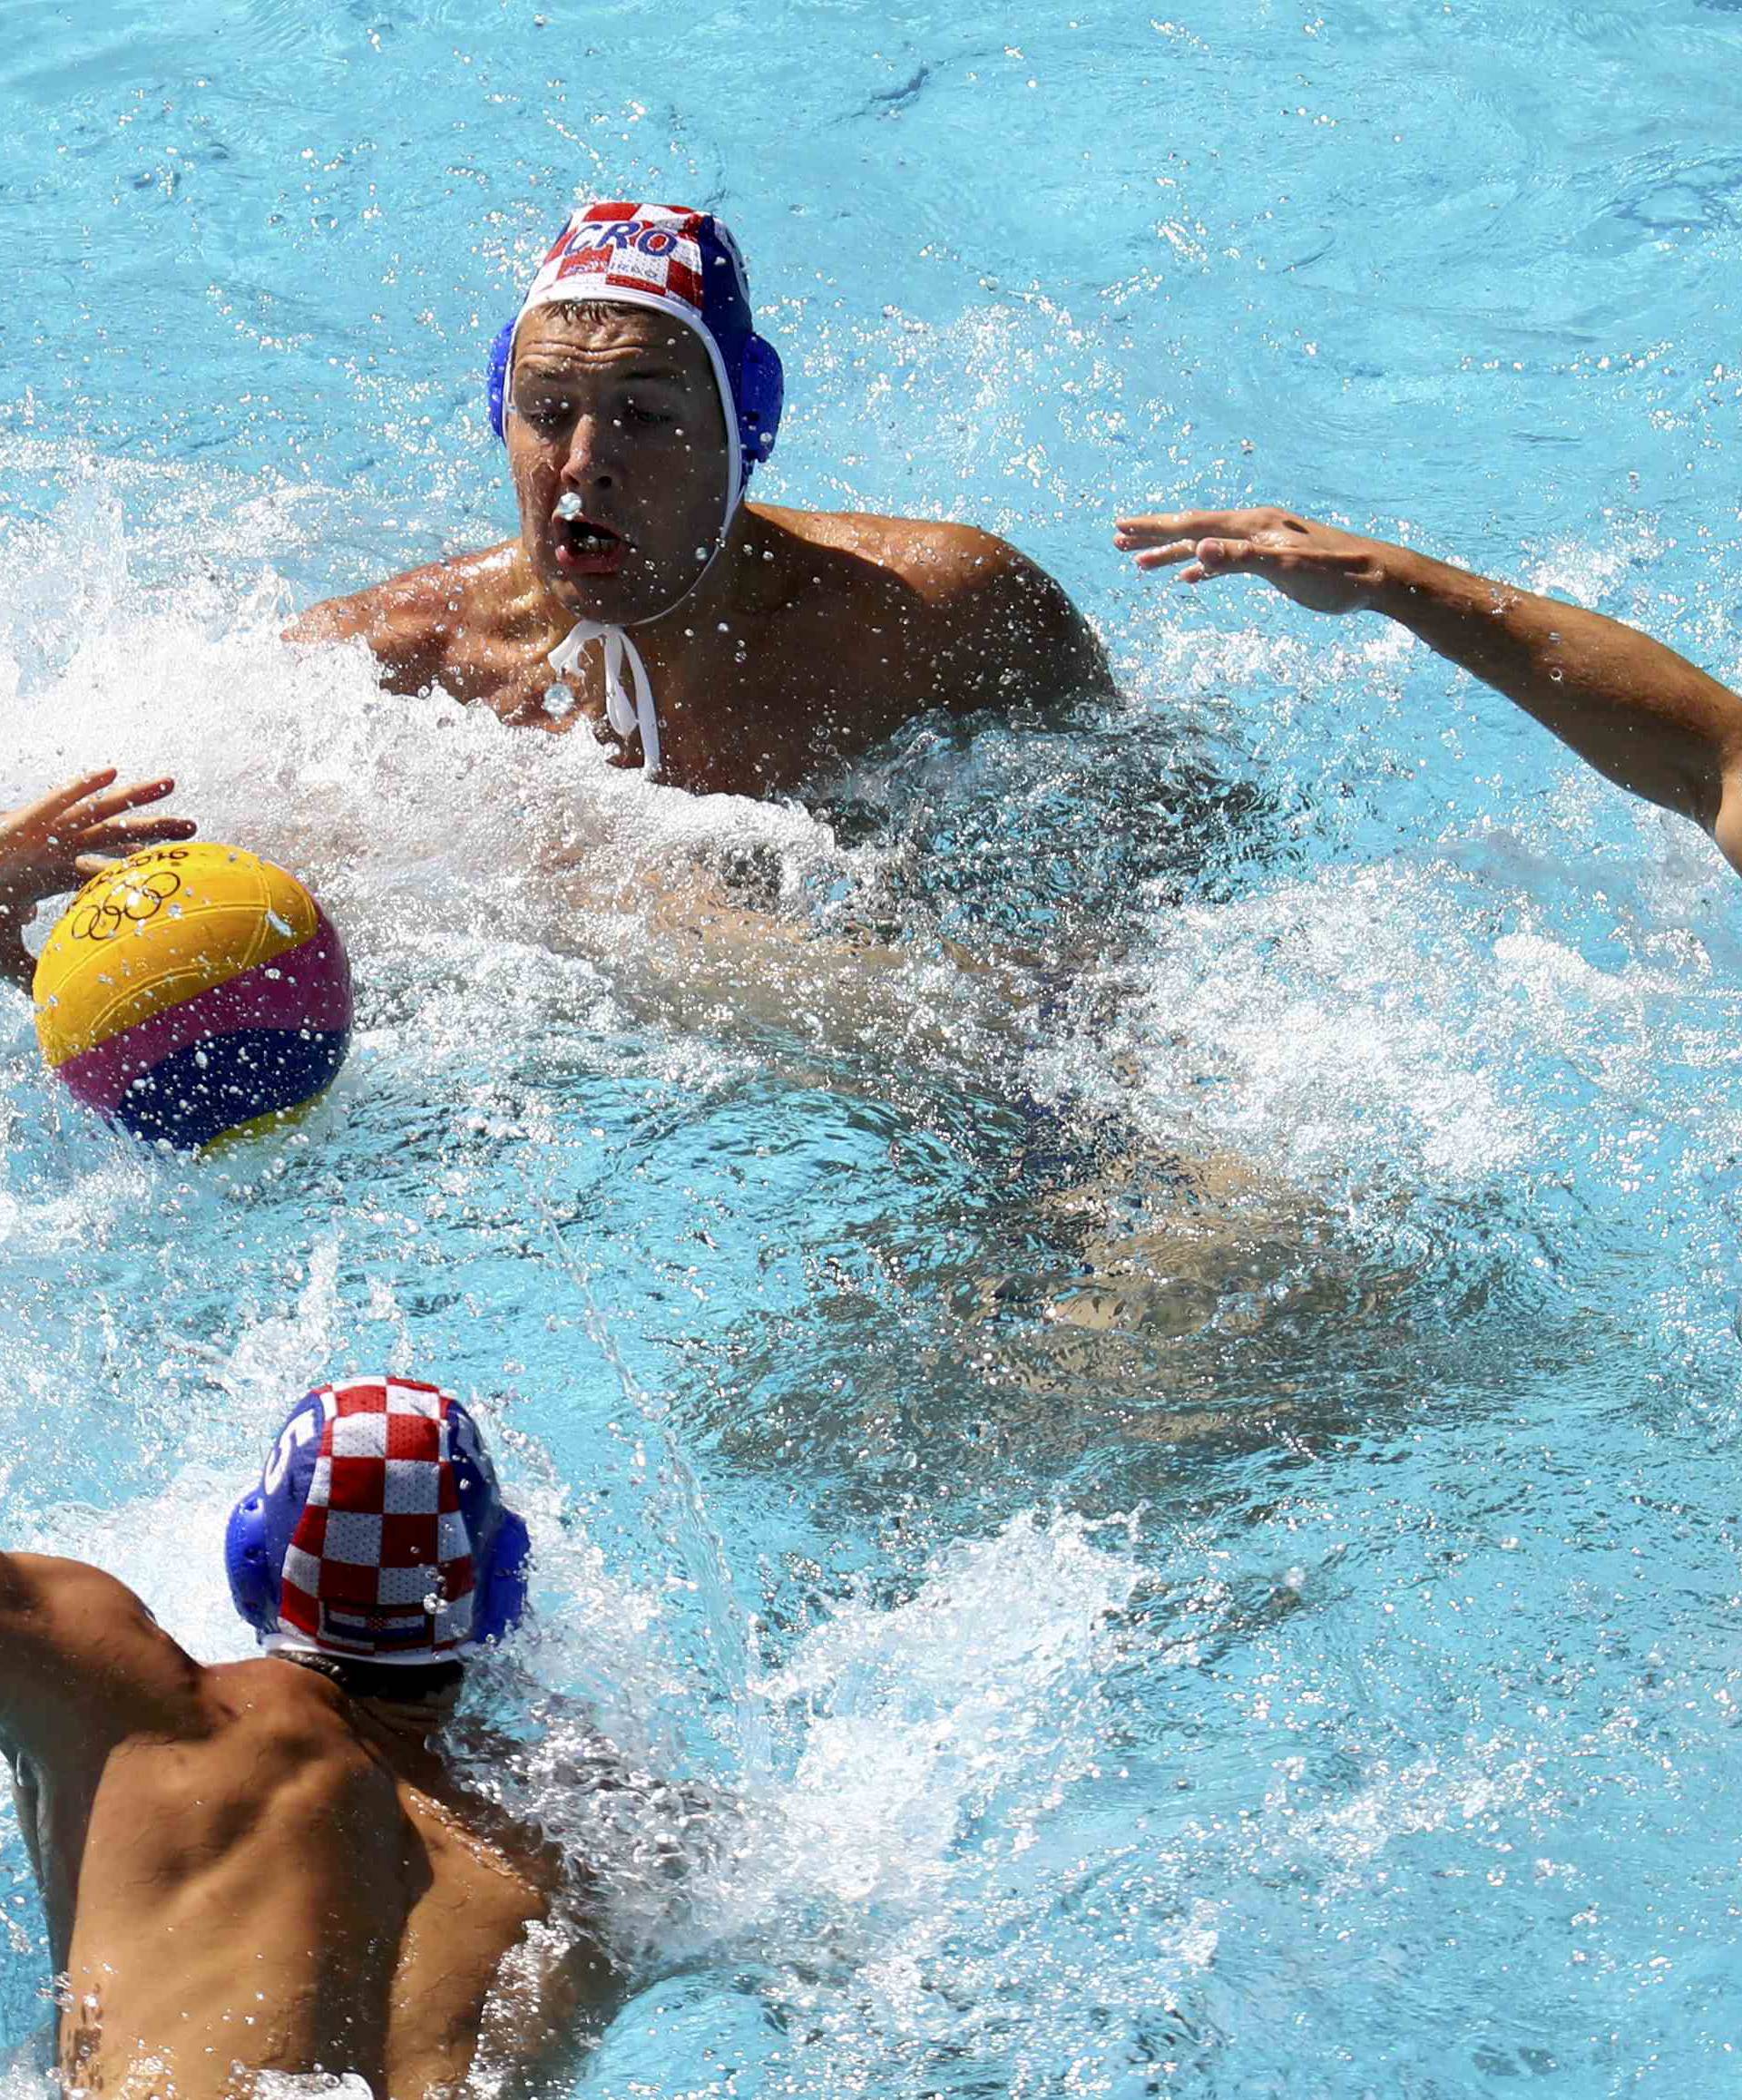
[{"x": 761, "y": 721}]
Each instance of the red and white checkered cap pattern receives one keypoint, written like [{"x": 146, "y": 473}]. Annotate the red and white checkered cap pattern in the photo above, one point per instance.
[
  {"x": 641, "y": 252},
  {"x": 380, "y": 1564}
]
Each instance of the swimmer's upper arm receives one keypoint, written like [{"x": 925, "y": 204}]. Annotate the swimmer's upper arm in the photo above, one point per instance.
[
  {"x": 80, "y": 1658},
  {"x": 406, "y": 624},
  {"x": 333, "y": 619},
  {"x": 1017, "y": 639}
]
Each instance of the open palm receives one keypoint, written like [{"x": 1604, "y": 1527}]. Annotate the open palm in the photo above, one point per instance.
[{"x": 54, "y": 845}]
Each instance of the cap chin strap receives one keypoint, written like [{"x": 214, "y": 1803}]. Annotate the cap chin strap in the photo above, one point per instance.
[
  {"x": 641, "y": 716},
  {"x": 623, "y": 718}
]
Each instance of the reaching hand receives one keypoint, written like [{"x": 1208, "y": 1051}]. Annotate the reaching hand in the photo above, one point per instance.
[
  {"x": 1317, "y": 566},
  {"x": 74, "y": 832}
]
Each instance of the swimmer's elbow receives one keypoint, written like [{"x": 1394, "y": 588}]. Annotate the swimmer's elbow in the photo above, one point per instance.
[
  {"x": 1034, "y": 645},
  {"x": 40, "y": 1595},
  {"x": 1060, "y": 654},
  {"x": 1726, "y": 823},
  {"x": 16, "y": 1590},
  {"x": 1079, "y": 666},
  {"x": 29, "y": 1588}
]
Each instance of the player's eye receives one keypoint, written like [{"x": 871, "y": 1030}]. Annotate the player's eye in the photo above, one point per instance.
[{"x": 545, "y": 412}]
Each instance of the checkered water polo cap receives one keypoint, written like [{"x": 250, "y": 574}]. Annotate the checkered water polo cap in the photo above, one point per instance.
[
  {"x": 377, "y": 1532},
  {"x": 679, "y": 262}
]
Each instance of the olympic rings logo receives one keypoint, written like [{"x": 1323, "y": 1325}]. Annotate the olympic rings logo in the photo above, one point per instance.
[{"x": 131, "y": 902}]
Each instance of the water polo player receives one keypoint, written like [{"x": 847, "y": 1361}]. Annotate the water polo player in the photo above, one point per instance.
[
  {"x": 273, "y": 1865},
  {"x": 718, "y": 644},
  {"x": 50, "y": 847}
]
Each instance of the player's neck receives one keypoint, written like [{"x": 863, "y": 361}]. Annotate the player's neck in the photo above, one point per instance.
[
  {"x": 417, "y": 1723},
  {"x": 407, "y": 1717}
]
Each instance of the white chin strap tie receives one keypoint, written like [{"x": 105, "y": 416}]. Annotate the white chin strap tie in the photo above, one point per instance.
[{"x": 641, "y": 718}]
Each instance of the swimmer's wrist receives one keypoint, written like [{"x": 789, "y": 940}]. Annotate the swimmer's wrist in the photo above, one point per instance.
[
  {"x": 1403, "y": 579},
  {"x": 1411, "y": 588}
]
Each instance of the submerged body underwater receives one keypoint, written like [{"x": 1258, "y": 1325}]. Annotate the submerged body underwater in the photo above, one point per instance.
[{"x": 1119, "y": 1332}]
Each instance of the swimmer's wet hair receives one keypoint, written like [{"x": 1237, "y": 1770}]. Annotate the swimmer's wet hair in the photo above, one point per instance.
[
  {"x": 599, "y": 312},
  {"x": 384, "y": 1680}
]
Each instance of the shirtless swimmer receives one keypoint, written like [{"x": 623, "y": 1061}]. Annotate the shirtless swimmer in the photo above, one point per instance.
[
  {"x": 273, "y": 1865},
  {"x": 719, "y": 645}
]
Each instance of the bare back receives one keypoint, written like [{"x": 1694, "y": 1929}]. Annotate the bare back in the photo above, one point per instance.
[{"x": 267, "y": 1875}]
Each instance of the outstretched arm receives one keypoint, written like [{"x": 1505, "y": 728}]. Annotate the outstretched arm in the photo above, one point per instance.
[
  {"x": 54, "y": 845},
  {"x": 1643, "y": 716}
]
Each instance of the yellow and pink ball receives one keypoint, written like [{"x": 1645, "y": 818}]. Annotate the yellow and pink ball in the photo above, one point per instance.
[{"x": 194, "y": 993}]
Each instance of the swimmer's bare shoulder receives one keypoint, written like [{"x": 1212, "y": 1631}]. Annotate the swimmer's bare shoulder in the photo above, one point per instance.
[
  {"x": 452, "y": 623},
  {"x": 238, "y": 1867},
  {"x": 990, "y": 625}
]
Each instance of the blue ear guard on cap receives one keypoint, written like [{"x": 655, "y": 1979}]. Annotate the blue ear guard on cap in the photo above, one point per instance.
[
  {"x": 501, "y": 1546},
  {"x": 497, "y": 379},
  {"x": 499, "y": 1603},
  {"x": 261, "y": 1523},
  {"x": 253, "y": 1587},
  {"x": 761, "y": 395}
]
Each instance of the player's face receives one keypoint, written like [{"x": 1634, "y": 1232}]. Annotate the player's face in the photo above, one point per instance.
[{"x": 614, "y": 417}]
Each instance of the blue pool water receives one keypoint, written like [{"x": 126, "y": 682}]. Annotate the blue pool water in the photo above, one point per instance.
[{"x": 1126, "y": 1340}]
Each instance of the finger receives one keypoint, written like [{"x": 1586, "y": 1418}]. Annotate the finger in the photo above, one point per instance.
[
  {"x": 39, "y": 816},
  {"x": 1221, "y": 558},
  {"x": 1163, "y": 557},
  {"x": 1173, "y": 525},
  {"x": 138, "y": 795},
  {"x": 128, "y": 833},
  {"x": 1132, "y": 532}
]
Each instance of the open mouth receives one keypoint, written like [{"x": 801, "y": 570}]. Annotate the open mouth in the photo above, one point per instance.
[{"x": 585, "y": 546}]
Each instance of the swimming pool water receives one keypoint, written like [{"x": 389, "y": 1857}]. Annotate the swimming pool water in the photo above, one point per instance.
[{"x": 1125, "y": 1343}]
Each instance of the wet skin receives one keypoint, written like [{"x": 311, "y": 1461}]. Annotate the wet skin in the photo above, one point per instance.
[
  {"x": 1644, "y": 717},
  {"x": 809, "y": 638},
  {"x": 51, "y": 846},
  {"x": 245, "y": 1869}
]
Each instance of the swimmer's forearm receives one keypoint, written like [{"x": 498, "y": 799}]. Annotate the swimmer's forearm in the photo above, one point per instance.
[{"x": 1646, "y": 717}]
